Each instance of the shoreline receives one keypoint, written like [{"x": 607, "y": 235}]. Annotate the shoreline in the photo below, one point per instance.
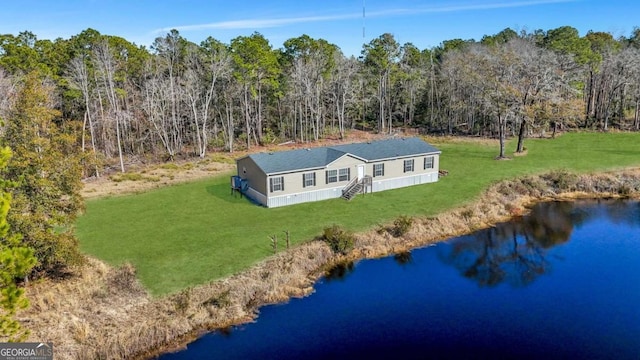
[{"x": 105, "y": 313}]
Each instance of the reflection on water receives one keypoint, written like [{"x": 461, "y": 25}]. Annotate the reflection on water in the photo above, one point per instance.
[
  {"x": 340, "y": 271},
  {"x": 561, "y": 283},
  {"x": 403, "y": 258},
  {"x": 516, "y": 252},
  {"x": 513, "y": 252}
]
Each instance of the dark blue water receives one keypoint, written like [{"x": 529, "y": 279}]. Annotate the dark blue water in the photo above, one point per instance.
[{"x": 563, "y": 283}]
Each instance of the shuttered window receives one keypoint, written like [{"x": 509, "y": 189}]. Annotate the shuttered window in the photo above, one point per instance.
[
  {"x": 344, "y": 174},
  {"x": 309, "y": 179},
  {"x": 428, "y": 162},
  {"x": 408, "y": 165},
  {"x": 378, "y": 170},
  {"x": 276, "y": 183},
  {"x": 331, "y": 176}
]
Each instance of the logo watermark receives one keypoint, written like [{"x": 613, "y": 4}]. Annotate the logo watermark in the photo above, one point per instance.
[{"x": 26, "y": 351}]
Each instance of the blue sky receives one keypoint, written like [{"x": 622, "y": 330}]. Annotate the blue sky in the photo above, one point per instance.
[{"x": 424, "y": 23}]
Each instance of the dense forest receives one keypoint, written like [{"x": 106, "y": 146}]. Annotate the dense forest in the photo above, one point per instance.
[{"x": 178, "y": 98}]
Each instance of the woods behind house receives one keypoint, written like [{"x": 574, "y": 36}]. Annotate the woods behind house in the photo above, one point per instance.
[{"x": 178, "y": 98}]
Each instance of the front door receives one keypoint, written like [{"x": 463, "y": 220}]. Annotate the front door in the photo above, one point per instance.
[{"x": 360, "y": 172}]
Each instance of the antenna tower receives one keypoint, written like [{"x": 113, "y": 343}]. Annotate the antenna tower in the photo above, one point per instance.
[{"x": 363, "y": 20}]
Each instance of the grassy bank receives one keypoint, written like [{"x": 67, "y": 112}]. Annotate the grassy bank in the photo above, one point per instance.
[
  {"x": 103, "y": 312},
  {"x": 192, "y": 233}
]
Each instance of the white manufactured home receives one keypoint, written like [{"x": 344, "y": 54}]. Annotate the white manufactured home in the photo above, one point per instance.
[{"x": 292, "y": 177}]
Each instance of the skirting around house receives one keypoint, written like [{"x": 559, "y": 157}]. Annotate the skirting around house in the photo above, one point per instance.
[
  {"x": 336, "y": 192},
  {"x": 381, "y": 185}
]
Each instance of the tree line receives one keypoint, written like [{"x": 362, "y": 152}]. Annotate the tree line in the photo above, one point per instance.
[
  {"x": 178, "y": 98},
  {"x": 40, "y": 182}
]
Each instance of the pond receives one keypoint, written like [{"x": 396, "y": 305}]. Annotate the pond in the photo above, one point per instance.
[{"x": 561, "y": 283}]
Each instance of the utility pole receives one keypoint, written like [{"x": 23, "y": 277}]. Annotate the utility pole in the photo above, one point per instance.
[{"x": 362, "y": 74}]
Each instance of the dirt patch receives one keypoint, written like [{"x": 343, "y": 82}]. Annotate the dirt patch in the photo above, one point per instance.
[{"x": 143, "y": 178}]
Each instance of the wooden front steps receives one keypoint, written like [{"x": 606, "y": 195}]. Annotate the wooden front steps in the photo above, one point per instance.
[{"x": 355, "y": 187}]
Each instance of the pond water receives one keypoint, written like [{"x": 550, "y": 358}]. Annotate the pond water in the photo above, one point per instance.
[{"x": 562, "y": 283}]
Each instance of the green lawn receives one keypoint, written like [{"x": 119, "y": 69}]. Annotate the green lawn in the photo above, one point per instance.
[{"x": 192, "y": 233}]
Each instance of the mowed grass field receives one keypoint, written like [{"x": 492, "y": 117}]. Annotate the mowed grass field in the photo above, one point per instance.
[{"x": 192, "y": 233}]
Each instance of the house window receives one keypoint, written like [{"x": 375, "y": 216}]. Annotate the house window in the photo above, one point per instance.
[
  {"x": 378, "y": 170},
  {"x": 276, "y": 183},
  {"x": 408, "y": 165},
  {"x": 309, "y": 179},
  {"x": 331, "y": 176},
  {"x": 428, "y": 162},
  {"x": 344, "y": 174}
]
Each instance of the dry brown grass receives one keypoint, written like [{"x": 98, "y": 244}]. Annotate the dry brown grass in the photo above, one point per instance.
[
  {"x": 499, "y": 203},
  {"x": 143, "y": 177},
  {"x": 103, "y": 312},
  {"x": 457, "y": 139},
  {"x": 448, "y": 139}
]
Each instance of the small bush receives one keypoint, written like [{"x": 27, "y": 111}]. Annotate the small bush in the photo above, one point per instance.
[
  {"x": 133, "y": 177},
  {"x": 127, "y": 177},
  {"x": 222, "y": 158},
  {"x": 467, "y": 213},
  {"x": 401, "y": 225},
  {"x": 217, "y": 142},
  {"x": 269, "y": 137},
  {"x": 169, "y": 166},
  {"x": 625, "y": 190},
  {"x": 220, "y": 301},
  {"x": 534, "y": 185},
  {"x": 182, "y": 300},
  {"x": 340, "y": 240},
  {"x": 123, "y": 279},
  {"x": 562, "y": 180}
]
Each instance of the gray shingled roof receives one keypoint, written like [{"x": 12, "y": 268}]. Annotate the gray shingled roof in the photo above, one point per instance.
[
  {"x": 387, "y": 149},
  {"x": 320, "y": 157}
]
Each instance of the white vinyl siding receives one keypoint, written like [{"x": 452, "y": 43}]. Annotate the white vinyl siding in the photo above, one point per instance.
[
  {"x": 378, "y": 170},
  {"x": 308, "y": 179},
  {"x": 276, "y": 183},
  {"x": 428, "y": 162},
  {"x": 408, "y": 165}
]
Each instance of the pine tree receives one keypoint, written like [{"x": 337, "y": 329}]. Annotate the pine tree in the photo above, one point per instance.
[
  {"x": 46, "y": 169},
  {"x": 15, "y": 262}
]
